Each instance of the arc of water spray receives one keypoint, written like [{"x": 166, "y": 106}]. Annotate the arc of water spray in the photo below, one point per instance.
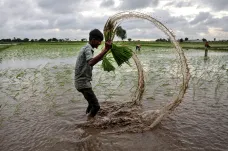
[{"x": 111, "y": 25}]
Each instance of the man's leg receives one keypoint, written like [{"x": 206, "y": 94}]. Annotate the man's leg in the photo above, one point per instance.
[{"x": 93, "y": 106}]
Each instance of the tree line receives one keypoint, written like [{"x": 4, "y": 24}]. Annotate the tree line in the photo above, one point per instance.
[{"x": 33, "y": 40}]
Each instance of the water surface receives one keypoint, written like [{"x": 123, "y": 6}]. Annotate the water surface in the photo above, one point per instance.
[{"x": 41, "y": 110}]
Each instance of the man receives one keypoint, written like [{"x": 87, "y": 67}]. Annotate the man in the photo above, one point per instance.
[
  {"x": 206, "y": 49},
  {"x": 138, "y": 47},
  {"x": 84, "y": 67},
  {"x": 207, "y": 45}
]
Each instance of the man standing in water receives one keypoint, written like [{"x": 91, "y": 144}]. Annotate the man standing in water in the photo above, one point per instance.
[
  {"x": 206, "y": 48},
  {"x": 84, "y": 66},
  {"x": 138, "y": 47}
]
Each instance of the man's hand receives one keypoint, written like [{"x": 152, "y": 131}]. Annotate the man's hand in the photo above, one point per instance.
[{"x": 108, "y": 45}]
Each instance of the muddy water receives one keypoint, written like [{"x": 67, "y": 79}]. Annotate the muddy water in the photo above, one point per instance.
[{"x": 41, "y": 110}]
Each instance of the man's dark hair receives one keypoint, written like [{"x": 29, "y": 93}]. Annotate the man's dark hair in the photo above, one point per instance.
[{"x": 96, "y": 34}]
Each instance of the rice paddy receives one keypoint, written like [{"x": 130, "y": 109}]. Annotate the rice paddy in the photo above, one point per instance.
[{"x": 40, "y": 104}]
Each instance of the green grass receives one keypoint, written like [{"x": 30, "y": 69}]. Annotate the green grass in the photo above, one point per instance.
[
  {"x": 186, "y": 45},
  {"x": 3, "y": 47},
  {"x": 40, "y": 50}
]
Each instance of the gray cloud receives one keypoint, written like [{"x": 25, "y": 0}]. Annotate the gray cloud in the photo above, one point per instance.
[
  {"x": 201, "y": 17},
  {"x": 183, "y": 4},
  {"x": 67, "y": 22},
  {"x": 218, "y": 5},
  {"x": 60, "y": 6},
  {"x": 10, "y": 9},
  {"x": 137, "y": 28},
  {"x": 32, "y": 25},
  {"x": 107, "y": 3},
  {"x": 73, "y": 19},
  {"x": 179, "y": 4},
  {"x": 136, "y": 4},
  {"x": 206, "y": 20},
  {"x": 218, "y": 23}
]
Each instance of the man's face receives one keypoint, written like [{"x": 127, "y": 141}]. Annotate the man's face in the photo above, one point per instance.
[{"x": 95, "y": 43}]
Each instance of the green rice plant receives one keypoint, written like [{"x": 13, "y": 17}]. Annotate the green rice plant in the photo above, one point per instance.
[
  {"x": 107, "y": 65},
  {"x": 121, "y": 54}
]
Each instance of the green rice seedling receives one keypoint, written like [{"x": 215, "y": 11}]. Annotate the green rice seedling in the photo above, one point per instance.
[
  {"x": 121, "y": 54},
  {"x": 107, "y": 65},
  {"x": 21, "y": 74}
]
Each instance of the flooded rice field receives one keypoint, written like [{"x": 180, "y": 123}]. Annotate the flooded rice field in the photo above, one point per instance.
[{"x": 40, "y": 108}]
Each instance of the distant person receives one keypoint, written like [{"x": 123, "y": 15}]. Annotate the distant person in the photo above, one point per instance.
[
  {"x": 206, "y": 49},
  {"x": 207, "y": 45},
  {"x": 138, "y": 47},
  {"x": 84, "y": 66}
]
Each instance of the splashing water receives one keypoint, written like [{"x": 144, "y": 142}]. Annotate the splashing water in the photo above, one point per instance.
[{"x": 129, "y": 115}]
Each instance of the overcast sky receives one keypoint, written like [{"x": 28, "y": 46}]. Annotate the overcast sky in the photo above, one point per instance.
[{"x": 195, "y": 19}]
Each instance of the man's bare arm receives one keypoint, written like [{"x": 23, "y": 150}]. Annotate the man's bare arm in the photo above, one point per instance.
[{"x": 95, "y": 60}]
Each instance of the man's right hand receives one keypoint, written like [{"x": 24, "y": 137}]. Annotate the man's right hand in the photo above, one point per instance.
[{"x": 108, "y": 45}]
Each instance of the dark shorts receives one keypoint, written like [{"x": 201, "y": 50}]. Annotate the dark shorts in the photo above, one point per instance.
[{"x": 92, "y": 100}]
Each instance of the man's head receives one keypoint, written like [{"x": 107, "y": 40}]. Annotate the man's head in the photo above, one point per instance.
[{"x": 95, "y": 38}]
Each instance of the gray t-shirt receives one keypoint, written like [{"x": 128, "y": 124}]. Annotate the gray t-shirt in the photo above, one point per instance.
[{"x": 83, "y": 71}]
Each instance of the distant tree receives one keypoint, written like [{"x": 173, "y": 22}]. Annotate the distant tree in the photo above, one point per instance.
[
  {"x": 161, "y": 40},
  {"x": 214, "y": 39},
  {"x": 83, "y": 39},
  {"x": 54, "y": 39},
  {"x": 6, "y": 40},
  {"x": 186, "y": 39},
  {"x": 181, "y": 40},
  {"x": 19, "y": 40},
  {"x": 32, "y": 40},
  {"x": 121, "y": 33},
  {"x": 42, "y": 40},
  {"x": 26, "y": 40},
  {"x": 14, "y": 39},
  {"x": 204, "y": 39},
  {"x": 129, "y": 39}
]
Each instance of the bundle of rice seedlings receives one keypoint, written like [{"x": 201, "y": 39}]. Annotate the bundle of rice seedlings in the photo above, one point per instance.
[
  {"x": 107, "y": 65},
  {"x": 121, "y": 54}
]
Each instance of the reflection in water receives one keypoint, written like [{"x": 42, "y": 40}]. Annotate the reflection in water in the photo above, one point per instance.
[{"x": 41, "y": 110}]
